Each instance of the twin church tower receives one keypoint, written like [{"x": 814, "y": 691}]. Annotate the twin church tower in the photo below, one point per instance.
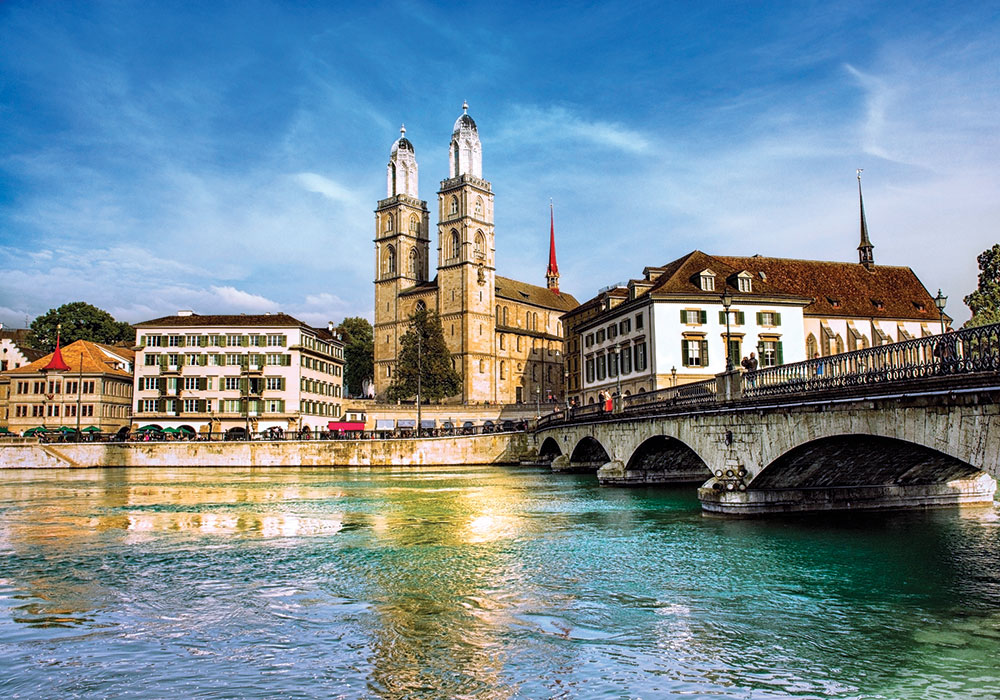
[{"x": 505, "y": 336}]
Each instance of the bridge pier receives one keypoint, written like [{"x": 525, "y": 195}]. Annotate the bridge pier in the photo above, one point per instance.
[
  {"x": 615, "y": 473},
  {"x": 977, "y": 490}
]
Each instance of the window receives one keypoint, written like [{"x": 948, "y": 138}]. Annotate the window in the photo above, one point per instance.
[
  {"x": 736, "y": 318},
  {"x": 745, "y": 284},
  {"x": 277, "y": 359},
  {"x": 707, "y": 282},
  {"x": 694, "y": 316},
  {"x": 191, "y": 383},
  {"x": 589, "y": 340},
  {"x": 232, "y": 384},
  {"x": 625, "y": 360},
  {"x": 174, "y": 341},
  {"x": 768, "y": 318},
  {"x": 770, "y": 352},
  {"x": 480, "y": 248},
  {"x": 154, "y": 341},
  {"x": 600, "y": 336},
  {"x": 190, "y": 406},
  {"x": 231, "y": 406},
  {"x": 502, "y": 343},
  {"x": 411, "y": 269},
  {"x": 456, "y": 244},
  {"x": 625, "y": 326},
  {"x": 390, "y": 260},
  {"x": 479, "y": 207},
  {"x": 388, "y": 222},
  {"x": 151, "y": 383},
  {"x": 612, "y": 364},
  {"x": 193, "y": 340},
  {"x": 234, "y": 359},
  {"x": 612, "y": 331},
  {"x": 87, "y": 410},
  {"x": 149, "y": 405},
  {"x": 54, "y": 410},
  {"x": 275, "y": 383},
  {"x": 503, "y": 369},
  {"x": 276, "y": 341},
  {"x": 274, "y": 406},
  {"x": 694, "y": 352},
  {"x": 639, "y": 350},
  {"x": 414, "y": 224},
  {"x": 638, "y": 322},
  {"x": 453, "y": 208},
  {"x": 590, "y": 369}
]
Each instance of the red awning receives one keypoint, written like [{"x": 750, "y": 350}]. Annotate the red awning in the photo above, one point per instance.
[{"x": 345, "y": 426}]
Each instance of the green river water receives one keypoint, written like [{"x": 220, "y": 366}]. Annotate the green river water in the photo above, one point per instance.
[{"x": 476, "y": 582}]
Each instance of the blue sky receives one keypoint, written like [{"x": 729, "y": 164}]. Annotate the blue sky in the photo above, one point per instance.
[{"x": 226, "y": 157}]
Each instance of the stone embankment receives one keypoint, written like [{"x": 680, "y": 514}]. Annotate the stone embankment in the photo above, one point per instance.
[{"x": 500, "y": 448}]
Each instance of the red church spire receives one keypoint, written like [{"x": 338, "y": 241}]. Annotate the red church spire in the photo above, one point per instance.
[
  {"x": 552, "y": 273},
  {"x": 56, "y": 364}
]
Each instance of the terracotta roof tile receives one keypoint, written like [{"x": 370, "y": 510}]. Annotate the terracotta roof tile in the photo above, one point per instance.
[
  {"x": 507, "y": 288},
  {"x": 846, "y": 289},
  {"x": 683, "y": 276},
  {"x": 93, "y": 357}
]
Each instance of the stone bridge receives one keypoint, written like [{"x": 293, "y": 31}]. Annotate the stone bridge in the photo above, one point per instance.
[{"x": 915, "y": 434}]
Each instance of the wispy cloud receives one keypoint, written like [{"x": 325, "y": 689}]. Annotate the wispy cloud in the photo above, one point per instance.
[{"x": 529, "y": 124}]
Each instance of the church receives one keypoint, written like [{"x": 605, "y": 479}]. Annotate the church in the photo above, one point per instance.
[{"x": 505, "y": 336}]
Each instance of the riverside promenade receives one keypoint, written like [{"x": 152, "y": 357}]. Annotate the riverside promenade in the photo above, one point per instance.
[{"x": 493, "y": 448}]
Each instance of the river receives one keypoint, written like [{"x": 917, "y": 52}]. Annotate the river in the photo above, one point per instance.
[{"x": 476, "y": 582}]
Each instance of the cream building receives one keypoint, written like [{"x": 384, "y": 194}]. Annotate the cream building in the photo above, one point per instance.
[
  {"x": 233, "y": 372},
  {"x": 505, "y": 336},
  {"x": 85, "y": 385}
]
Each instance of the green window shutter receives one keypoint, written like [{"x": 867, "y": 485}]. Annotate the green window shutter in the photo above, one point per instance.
[
  {"x": 243, "y": 385},
  {"x": 683, "y": 316},
  {"x": 284, "y": 340},
  {"x": 722, "y": 317},
  {"x": 780, "y": 354},
  {"x": 180, "y": 360},
  {"x": 181, "y": 341},
  {"x": 703, "y": 316},
  {"x": 684, "y": 352},
  {"x": 142, "y": 341},
  {"x": 161, "y": 405},
  {"x": 202, "y": 341},
  {"x": 245, "y": 341},
  {"x": 777, "y": 319},
  {"x": 200, "y": 406},
  {"x": 281, "y": 405},
  {"x": 760, "y": 316},
  {"x": 202, "y": 360},
  {"x": 281, "y": 384},
  {"x": 740, "y": 318},
  {"x": 704, "y": 353},
  {"x": 286, "y": 360}
]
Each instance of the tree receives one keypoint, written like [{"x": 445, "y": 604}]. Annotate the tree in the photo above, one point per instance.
[
  {"x": 423, "y": 344},
  {"x": 80, "y": 321},
  {"x": 359, "y": 353},
  {"x": 985, "y": 301}
]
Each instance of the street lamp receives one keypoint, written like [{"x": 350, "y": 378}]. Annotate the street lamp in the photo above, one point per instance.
[
  {"x": 420, "y": 336},
  {"x": 727, "y": 301},
  {"x": 940, "y": 301},
  {"x": 538, "y": 401}
]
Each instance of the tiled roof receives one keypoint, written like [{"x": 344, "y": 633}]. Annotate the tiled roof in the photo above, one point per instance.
[
  {"x": 597, "y": 301},
  {"x": 530, "y": 294},
  {"x": 93, "y": 357},
  {"x": 845, "y": 289},
  {"x": 195, "y": 320},
  {"x": 683, "y": 276},
  {"x": 421, "y": 288}
]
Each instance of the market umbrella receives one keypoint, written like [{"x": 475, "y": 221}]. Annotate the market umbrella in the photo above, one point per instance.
[
  {"x": 91, "y": 429},
  {"x": 171, "y": 431},
  {"x": 186, "y": 429},
  {"x": 31, "y": 432},
  {"x": 3, "y": 430},
  {"x": 150, "y": 428}
]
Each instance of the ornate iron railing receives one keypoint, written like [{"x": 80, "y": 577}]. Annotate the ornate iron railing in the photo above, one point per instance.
[
  {"x": 961, "y": 352},
  {"x": 965, "y": 352}
]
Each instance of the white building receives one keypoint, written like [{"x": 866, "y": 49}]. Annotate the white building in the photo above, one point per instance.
[
  {"x": 233, "y": 372},
  {"x": 671, "y": 329}
]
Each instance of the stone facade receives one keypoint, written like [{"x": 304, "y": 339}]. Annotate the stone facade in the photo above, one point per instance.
[{"x": 505, "y": 337}]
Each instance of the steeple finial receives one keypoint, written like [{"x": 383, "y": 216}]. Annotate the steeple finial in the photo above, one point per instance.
[
  {"x": 465, "y": 107},
  {"x": 552, "y": 273},
  {"x": 402, "y": 130},
  {"x": 866, "y": 256},
  {"x": 56, "y": 364}
]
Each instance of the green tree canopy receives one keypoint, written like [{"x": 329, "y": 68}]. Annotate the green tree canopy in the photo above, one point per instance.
[
  {"x": 359, "y": 353},
  {"x": 80, "y": 321},
  {"x": 425, "y": 338},
  {"x": 985, "y": 301}
]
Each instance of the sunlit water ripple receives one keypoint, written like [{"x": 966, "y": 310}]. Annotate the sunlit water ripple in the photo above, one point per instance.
[{"x": 481, "y": 582}]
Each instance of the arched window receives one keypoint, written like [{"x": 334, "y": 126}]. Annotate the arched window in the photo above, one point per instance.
[
  {"x": 534, "y": 322},
  {"x": 480, "y": 245},
  {"x": 479, "y": 207},
  {"x": 456, "y": 245},
  {"x": 505, "y": 321},
  {"x": 390, "y": 260},
  {"x": 503, "y": 369},
  {"x": 498, "y": 314},
  {"x": 421, "y": 305},
  {"x": 414, "y": 224},
  {"x": 454, "y": 205},
  {"x": 412, "y": 268},
  {"x": 811, "y": 347},
  {"x": 392, "y": 172},
  {"x": 388, "y": 222}
]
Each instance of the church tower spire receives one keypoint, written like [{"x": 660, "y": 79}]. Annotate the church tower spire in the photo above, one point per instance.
[
  {"x": 866, "y": 256},
  {"x": 552, "y": 273},
  {"x": 402, "y": 253}
]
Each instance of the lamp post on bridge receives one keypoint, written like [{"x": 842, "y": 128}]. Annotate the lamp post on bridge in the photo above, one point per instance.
[
  {"x": 727, "y": 301},
  {"x": 940, "y": 301}
]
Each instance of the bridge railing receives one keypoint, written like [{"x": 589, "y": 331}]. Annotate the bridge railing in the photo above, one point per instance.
[
  {"x": 958, "y": 353},
  {"x": 961, "y": 352}
]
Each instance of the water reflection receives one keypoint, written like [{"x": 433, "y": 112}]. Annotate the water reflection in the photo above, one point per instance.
[{"x": 476, "y": 582}]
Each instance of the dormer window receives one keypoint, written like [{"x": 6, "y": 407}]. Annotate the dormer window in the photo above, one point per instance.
[
  {"x": 744, "y": 282},
  {"x": 707, "y": 281},
  {"x": 877, "y": 303},
  {"x": 835, "y": 303}
]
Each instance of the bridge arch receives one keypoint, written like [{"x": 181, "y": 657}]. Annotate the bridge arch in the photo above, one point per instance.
[
  {"x": 860, "y": 460},
  {"x": 549, "y": 449},
  {"x": 662, "y": 459},
  {"x": 589, "y": 453}
]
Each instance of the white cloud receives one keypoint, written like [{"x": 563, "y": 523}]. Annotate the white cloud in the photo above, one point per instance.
[
  {"x": 529, "y": 124},
  {"x": 330, "y": 189}
]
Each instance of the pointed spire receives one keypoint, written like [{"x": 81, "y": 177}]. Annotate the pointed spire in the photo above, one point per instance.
[
  {"x": 402, "y": 130},
  {"x": 552, "y": 273},
  {"x": 465, "y": 106},
  {"x": 866, "y": 256},
  {"x": 56, "y": 364}
]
